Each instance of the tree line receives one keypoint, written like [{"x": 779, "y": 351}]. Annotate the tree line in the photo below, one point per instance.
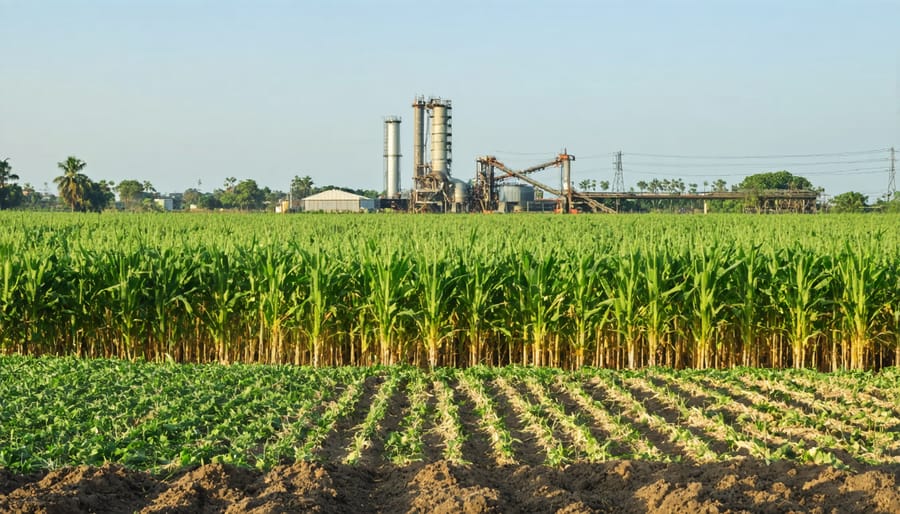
[
  {"x": 79, "y": 193},
  {"x": 76, "y": 190},
  {"x": 848, "y": 202}
]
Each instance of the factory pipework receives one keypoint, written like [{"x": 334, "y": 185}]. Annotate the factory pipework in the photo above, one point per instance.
[{"x": 432, "y": 188}]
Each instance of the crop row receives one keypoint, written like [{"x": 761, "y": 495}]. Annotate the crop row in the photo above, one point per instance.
[
  {"x": 65, "y": 411},
  {"x": 613, "y": 292}
]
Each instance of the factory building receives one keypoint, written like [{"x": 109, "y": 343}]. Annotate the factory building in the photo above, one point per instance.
[{"x": 335, "y": 200}]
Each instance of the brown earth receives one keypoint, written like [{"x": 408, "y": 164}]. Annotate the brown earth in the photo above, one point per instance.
[{"x": 441, "y": 487}]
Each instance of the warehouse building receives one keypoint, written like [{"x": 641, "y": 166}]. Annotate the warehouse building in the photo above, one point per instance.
[{"x": 335, "y": 200}]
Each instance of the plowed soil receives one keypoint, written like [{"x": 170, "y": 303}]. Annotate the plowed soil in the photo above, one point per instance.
[{"x": 618, "y": 486}]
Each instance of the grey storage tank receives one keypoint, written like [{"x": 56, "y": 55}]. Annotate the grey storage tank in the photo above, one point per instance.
[
  {"x": 460, "y": 192},
  {"x": 515, "y": 193}
]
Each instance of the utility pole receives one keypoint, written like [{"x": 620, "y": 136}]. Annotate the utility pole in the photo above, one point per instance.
[
  {"x": 892, "y": 186},
  {"x": 618, "y": 181}
]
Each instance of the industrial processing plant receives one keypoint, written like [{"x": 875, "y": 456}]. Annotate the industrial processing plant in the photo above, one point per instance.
[
  {"x": 497, "y": 187},
  {"x": 434, "y": 189}
]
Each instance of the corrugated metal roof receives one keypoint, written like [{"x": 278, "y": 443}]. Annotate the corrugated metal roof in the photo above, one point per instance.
[{"x": 335, "y": 194}]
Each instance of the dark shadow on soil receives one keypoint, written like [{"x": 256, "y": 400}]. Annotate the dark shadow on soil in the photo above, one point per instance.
[
  {"x": 660, "y": 441},
  {"x": 398, "y": 405},
  {"x": 558, "y": 433},
  {"x": 711, "y": 409},
  {"x": 477, "y": 447},
  {"x": 524, "y": 445},
  {"x": 571, "y": 407},
  {"x": 673, "y": 417},
  {"x": 431, "y": 439},
  {"x": 808, "y": 442},
  {"x": 846, "y": 403}
]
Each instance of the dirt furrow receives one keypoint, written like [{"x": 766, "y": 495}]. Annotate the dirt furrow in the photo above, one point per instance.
[
  {"x": 334, "y": 448},
  {"x": 526, "y": 446},
  {"x": 477, "y": 444}
]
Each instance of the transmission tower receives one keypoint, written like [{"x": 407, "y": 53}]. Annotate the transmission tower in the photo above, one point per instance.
[
  {"x": 892, "y": 186},
  {"x": 619, "y": 180}
]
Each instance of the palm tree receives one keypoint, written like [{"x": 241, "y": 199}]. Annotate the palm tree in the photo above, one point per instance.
[
  {"x": 72, "y": 183},
  {"x": 6, "y": 176},
  {"x": 302, "y": 186}
]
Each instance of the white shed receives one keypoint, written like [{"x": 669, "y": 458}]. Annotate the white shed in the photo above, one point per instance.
[{"x": 335, "y": 200}]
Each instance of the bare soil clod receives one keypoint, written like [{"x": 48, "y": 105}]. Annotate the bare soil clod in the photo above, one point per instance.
[{"x": 617, "y": 486}]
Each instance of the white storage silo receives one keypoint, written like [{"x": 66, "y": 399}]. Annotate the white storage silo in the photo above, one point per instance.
[{"x": 392, "y": 156}]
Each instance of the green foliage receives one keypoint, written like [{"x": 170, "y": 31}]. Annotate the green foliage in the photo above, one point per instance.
[
  {"x": 130, "y": 192},
  {"x": 98, "y": 196},
  {"x": 774, "y": 180},
  {"x": 248, "y": 195},
  {"x": 301, "y": 187},
  {"x": 162, "y": 417},
  {"x": 887, "y": 203},
  {"x": 10, "y": 194},
  {"x": 713, "y": 291},
  {"x": 78, "y": 191},
  {"x": 851, "y": 201},
  {"x": 72, "y": 183}
]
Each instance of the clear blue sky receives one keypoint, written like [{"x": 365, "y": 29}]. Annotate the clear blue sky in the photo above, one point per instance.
[{"x": 177, "y": 92}]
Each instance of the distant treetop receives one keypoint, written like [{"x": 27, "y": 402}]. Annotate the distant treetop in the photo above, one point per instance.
[{"x": 775, "y": 180}]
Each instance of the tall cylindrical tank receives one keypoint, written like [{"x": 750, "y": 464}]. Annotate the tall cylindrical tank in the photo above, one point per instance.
[
  {"x": 440, "y": 137},
  {"x": 392, "y": 156},
  {"x": 418, "y": 135}
]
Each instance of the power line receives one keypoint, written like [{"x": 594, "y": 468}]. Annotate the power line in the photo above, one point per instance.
[
  {"x": 597, "y": 156},
  {"x": 852, "y": 171},
  {"x": 754, "y": 164},
  {"x": 501, "y": 152},
  {"x": 781, "y": 156},
  {"x": 832, "y": 167}
]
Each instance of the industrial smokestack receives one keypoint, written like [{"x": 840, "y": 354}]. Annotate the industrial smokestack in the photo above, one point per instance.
[{"x": 392, "y": 156}]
